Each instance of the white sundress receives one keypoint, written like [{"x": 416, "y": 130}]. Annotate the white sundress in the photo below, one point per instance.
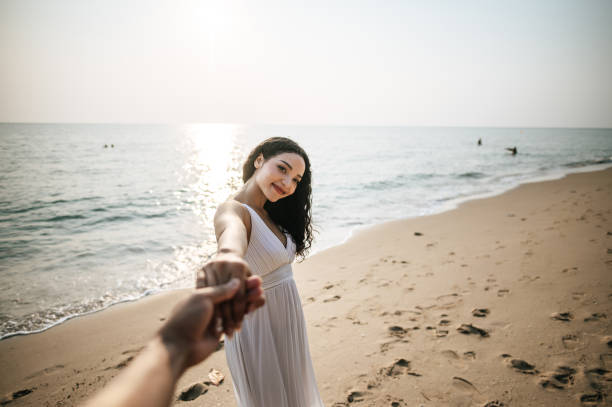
[{"x": 269, "y": 358}]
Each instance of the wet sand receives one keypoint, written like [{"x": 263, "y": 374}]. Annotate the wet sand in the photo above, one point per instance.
[{"x": 503, "y": 301}]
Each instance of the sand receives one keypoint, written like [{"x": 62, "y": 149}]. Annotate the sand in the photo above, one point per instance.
[{"x": 503, "y": 301}]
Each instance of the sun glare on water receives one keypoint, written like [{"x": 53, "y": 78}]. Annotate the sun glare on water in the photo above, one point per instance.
[
  {"x": 214, "y": 167},
  {"x": 211, "y": 173}
]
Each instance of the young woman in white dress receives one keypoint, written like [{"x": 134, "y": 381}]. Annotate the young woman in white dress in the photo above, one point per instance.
[{"x": 260, "y": 230}]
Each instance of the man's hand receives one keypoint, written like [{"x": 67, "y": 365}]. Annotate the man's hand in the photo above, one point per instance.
[
  {"x": 219, "y": 270},
  {"x": 192, "y": 333},
  {"x": 188, "y": 337}
]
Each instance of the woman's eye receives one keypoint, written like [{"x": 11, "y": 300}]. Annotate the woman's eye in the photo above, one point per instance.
[{"x": 282, "y": 169}]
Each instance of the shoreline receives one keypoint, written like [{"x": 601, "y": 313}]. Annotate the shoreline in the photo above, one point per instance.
[
  {"x": 454, "y": 204},
  {"x": 450, "y": 206},
  {"x": 384, "y": 277}
]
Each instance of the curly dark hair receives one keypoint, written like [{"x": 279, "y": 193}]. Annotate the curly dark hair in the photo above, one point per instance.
[{"x": 292, "y": 213}]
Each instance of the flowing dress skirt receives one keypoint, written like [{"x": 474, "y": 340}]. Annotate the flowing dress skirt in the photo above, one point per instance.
[{"x": 269, "y": 358}]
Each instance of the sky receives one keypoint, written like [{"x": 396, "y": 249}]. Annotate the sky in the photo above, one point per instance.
[{"x": 520, "y": 63}]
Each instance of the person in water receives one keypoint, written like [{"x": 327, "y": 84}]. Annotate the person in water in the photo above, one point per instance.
[
  {"x": 263, "y": 227},
  {"x": 513, "y": 150}
]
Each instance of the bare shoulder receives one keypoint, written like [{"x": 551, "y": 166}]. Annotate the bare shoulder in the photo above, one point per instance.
[{"x": 232, "y": 209}]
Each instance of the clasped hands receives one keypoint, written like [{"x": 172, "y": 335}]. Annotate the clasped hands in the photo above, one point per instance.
[
  {"x": 220, "y": 270},
  {"x": 225, "y": 292}
]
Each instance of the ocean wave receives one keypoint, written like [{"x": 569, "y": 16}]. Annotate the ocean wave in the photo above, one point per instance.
[
  {"x": 109, "y": 219},
  {"x": 157, "y": 215},
  {"x": 473, "y": 175},
  {"x": 15, "y": 211},
  {"x": 38, "y": 204},
  {"x": 398, "y": 181},
  {"x": 586, "y": 163},
  {"x": 61, "y": 218},
  {"x": 41, "y": 321}
]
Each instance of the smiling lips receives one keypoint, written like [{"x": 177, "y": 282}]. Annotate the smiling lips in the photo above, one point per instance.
[{"x": 279, "y": 190}]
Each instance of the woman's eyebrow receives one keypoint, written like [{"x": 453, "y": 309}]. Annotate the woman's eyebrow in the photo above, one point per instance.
[{"x": 290, "y": 167}]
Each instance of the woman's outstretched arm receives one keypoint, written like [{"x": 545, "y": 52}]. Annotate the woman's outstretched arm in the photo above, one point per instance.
[{"x": 232, "y": 229}]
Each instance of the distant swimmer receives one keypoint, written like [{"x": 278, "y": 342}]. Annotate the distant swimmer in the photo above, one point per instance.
[
  {"x": 479, "y": 141},
  {"x": 105, "y": 145},
  {"x": 112, "y": 146},
  {"x": 513, "y": 150}
]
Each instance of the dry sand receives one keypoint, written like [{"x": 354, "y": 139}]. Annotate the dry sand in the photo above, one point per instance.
[{"x": 391, "y": 314}]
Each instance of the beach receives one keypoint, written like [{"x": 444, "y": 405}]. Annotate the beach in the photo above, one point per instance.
[{"x": 503, "y": 301}]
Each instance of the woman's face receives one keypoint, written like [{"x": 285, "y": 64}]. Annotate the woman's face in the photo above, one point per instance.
[{"x": 279, "y": 175}]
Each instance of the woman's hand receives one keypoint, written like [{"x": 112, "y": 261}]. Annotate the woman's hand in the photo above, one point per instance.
[
  {"x": 190, "y": 334},
  {"x": 219, "y": 270}
]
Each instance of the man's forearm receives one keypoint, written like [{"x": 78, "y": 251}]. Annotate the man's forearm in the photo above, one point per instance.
[{"x": 149, "y": 380}]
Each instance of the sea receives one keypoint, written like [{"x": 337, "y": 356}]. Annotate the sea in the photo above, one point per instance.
[{"x": 96, "y": 214}]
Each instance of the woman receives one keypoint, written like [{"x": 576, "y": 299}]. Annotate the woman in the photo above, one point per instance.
[{"x": 262, "y": 228}]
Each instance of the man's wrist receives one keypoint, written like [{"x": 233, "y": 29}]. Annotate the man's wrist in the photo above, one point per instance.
[{"x": 174, "y": 353}]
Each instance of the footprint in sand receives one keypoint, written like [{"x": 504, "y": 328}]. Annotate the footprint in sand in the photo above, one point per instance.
[
  {"x": 470, "y": 355},
  {"x": 469, "y": 329},
  {"x": 562, "y": 378},
  {"x": 464, "y": 385},
  {"x": 503, "y": 292},
  {"x": 529, "y": 279},
  {"x": 122, "y": 364},
  {"x": 396, "y": 402},
  {"x": 447, "y": 296},
  {"x": 597, "y": 377},
  {"x": 127, "y": 360},
  {"x": 193, "y": 392},
  {"x": 356, "y": 396},
  {"x": 441, "y": 333},
  {"x": 397, "y": 330},
  {"x": 384, "y": 347},
  {"x": 592, "y": 399},
  {"x": 450, "y": 354},
  {"x": 570, "y": 341},
  {"x": 595, "y": 317},
  {"x": 334, "y": 298},
  {"x": 520, "y": 365},
  {"x": 48, "y": 370},
  {"x": 454, "y": 359},
  {"x": 480, "y": 312},
  {"x": 562, "y": 316},
  {"x": 16, "y": 395},
  {"x": 399, "y": 367}
]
